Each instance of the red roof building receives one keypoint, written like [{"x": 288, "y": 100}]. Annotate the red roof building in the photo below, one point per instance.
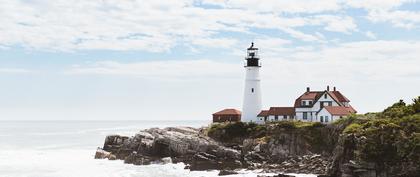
[
  {"x": 227, "y": 115},
  {"x": 310, "y": 106}
]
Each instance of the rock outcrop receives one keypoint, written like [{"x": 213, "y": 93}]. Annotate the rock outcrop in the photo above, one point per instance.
[
  {"x": 288, "y": 152},
  {"x": 373, "y": 145},
  {"x": 180, "y": 144}
]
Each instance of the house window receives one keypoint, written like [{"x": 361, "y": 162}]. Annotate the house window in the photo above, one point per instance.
[
  {"x": 305, "y": 115},
  {"x": 284, "y": 117},
  {"x": 310, "y": 103},
  {"x": 326, "y": 119},
  {"x": 325, "y": 96},
  {"x": 303, "y": 103},
  {"x": 252, "y": 90},
  {"x": 322, "y": 118},
  {"x": 276, "y": 117}
]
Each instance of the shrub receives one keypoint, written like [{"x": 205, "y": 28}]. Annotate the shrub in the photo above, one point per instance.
[
  {"x": 416, "y": 104},
  {"x": 353, "y": 128},
  {"x": 228, "y": 131}
]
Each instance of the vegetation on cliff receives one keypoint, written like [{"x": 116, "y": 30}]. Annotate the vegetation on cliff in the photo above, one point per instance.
[
  {"x": 389, "y": 139},
  {"x": 235, "y": 130}
]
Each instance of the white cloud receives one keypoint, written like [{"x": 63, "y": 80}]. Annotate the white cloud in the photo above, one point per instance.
[
  {"x": 398, "y": 18},
  {"x": 14, "y": 70},
  {"x": 297, "y": 6},
  {"x": 370, "y": 60},
  {"x": 370, "y": 35},
  {"x": 215, "y": 42},
  {"x": 161, "y": 70},
  {"x": 343, "y": 24},
  {"x": 376, "y": 5},
  {"x": 155, "y": 26}
]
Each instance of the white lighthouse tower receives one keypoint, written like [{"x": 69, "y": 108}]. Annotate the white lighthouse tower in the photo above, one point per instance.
[{"x": 252, "y": 94}]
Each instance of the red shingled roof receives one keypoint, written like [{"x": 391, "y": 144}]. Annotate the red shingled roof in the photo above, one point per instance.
[
  {"x": 312, "y": 95},
  {"x": 263, "y": 113},
  {"x": 228, "y": 112},
  {"x": 338, "y": 96},
  {"x": 315, "y": 95},
  {"x": 340, "y": 110},
  {"x": 281, "y": 111}
]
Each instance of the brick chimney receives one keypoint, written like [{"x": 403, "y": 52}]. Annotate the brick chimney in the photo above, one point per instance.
[
  {"x": 308, "y": 89},
  {"x": 334, "y": 89},
  {"x": 328, "y": 88}
]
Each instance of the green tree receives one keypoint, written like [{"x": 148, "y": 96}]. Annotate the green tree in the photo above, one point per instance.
[{"x": 416, "y": 104}]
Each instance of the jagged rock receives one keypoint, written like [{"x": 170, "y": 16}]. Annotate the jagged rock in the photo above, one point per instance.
[
  {"x": 101, "y": 154},
  {"x": 227, "y": 172},
  {"x": 279, "y": 175},
  {"x": 180, "y": 144}
]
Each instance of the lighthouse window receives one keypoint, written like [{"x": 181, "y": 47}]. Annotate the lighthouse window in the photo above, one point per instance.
[{"x": 252, "y": 90}]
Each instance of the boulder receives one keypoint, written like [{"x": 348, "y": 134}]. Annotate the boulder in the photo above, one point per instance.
[
  {"x": 227, "y": 172},
  {"x": 180, "y": 144}
]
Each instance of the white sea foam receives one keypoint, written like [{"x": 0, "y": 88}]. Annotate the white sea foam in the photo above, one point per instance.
[
  {"x": 54, "y": 149},
  {"x": 80, "y": 163}
]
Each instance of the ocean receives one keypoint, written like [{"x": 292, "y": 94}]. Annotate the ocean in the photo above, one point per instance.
[{"x": 67, "y": 148}]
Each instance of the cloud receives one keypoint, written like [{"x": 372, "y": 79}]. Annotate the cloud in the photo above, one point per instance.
[
  {"x": 297, "y": 6},
  {"x": 376, "y": 5},
  {"x": 370, "y": 35},
  {"x": 343, "y": 24},
  {"x": 14, "y": 70},
  {"x": 398, "y": 18},
  {"x": 352, "y": 61},
  {"x": 215, "y": 42},
  {"x": 160, "y": 70},
  {"x": 159, "y": 26}
]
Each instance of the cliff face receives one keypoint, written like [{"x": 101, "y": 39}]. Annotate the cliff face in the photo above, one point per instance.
[
  {"x": 376, "y": 148},
  {"x": 273, "y": 148},
  {"x": 181, "y": 144},
  {"x": 385, "y": 144}
]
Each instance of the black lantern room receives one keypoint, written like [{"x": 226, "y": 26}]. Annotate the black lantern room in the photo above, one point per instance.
[{"x": 252, "y": 58}]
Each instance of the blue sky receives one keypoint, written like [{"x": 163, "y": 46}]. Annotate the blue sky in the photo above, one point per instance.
[{"x": 117, "y": 60}]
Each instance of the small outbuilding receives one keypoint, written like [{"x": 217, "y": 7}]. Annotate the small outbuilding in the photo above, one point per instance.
[
  {"x": 277, "y": 114},
  {"x": 227, "y": 115},
  {"x": 332, "y": 113}
]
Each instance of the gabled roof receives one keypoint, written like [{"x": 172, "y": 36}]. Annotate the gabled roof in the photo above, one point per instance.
[
  {"x": 340, "y": 110},
  {"x": 281, "y": 111},
  {"x": 311, "y": 95},
  {"x": 316, "y": 95},
  {"x": 228, "y": 112},
  {"x": 263, "y": 113}
]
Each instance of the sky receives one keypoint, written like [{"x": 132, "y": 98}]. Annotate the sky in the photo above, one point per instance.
[{"x": 183, "y": 59}]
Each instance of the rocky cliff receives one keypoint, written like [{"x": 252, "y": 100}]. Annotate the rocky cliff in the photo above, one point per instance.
[
  {"x": 385, "y": 144},
  {"x": 275, "y": 148}
]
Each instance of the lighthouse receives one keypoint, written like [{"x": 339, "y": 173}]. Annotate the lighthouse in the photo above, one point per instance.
[{"x": 252, "y": 92}]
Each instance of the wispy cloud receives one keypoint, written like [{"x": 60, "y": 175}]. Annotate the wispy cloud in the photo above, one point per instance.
[
  {"x": 160, "y": 70},
  {"x": 159, "y": 26},
  {"x": 14, "y": 71}
]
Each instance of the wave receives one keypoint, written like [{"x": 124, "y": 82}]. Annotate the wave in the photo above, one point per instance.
[{"x": 80, "y": 163}]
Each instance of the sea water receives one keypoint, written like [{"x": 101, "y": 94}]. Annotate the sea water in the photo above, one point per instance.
[{"x": 67, "y": 148}]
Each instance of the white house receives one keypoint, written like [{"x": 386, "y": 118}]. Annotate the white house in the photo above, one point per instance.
[
  {"x": 277, "y": 114},
  {"x": 312, "y": 106},
  {"x": 333, "y": 113}
]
